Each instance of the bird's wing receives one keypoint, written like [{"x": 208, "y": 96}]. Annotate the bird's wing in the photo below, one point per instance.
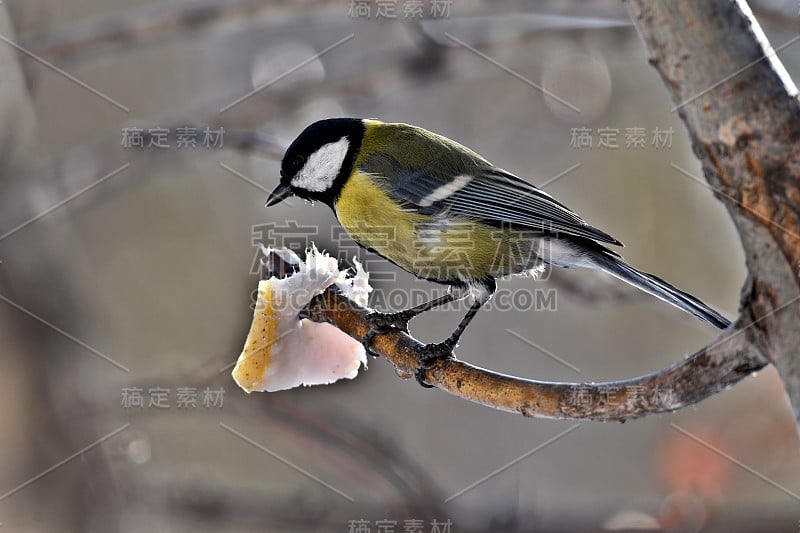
[{"x": 495, "y": 195}]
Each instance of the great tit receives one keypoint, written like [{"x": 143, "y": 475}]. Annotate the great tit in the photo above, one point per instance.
[{"x": 444, "y": 213}]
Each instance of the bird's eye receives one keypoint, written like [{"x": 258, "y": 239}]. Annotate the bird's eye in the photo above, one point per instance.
[{"x": 299, "y": 161}]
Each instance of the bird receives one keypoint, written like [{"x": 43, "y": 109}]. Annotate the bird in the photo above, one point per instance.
[{"x": 442, "y": 212}]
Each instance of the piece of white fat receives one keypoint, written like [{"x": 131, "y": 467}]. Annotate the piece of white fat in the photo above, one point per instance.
[{"x": 282, "y": 352}]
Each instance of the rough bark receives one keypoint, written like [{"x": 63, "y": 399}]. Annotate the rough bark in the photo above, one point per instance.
[{"x": 741, "y": 111}]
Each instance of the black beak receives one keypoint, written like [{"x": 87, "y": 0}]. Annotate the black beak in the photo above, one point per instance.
[{"x": 281, "y": 193}]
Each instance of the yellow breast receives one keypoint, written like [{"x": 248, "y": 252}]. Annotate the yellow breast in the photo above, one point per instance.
[
  {"x": 375, "y": 221},
  {"x": 437, "y": 248}
]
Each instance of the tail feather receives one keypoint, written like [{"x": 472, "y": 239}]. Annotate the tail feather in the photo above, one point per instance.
[{"x": 659, "y": 288}]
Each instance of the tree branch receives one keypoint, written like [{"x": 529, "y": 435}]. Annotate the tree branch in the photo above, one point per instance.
[{"x": 723, "y": 363}]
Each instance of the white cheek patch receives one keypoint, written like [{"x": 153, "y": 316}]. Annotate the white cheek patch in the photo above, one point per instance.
[
  {"x": 322, "y": 167},
  {"x": 443, "y": 191}
]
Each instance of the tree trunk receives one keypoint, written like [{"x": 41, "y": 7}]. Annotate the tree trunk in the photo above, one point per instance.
[{"x": 741, "y": 111}]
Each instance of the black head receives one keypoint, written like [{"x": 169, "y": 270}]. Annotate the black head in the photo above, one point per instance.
[{"x": 318, "y": 162}]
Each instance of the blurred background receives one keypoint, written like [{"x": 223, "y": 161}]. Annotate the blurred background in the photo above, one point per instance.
[{"x": 138, "y": 141}]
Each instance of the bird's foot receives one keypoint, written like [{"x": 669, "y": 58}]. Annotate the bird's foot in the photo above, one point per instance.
[
  {"x": 431, "y": 353},
  {"x": 382, "y": 322}
]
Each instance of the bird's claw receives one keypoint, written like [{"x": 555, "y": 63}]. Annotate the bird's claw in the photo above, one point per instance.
[
  {"x": 431, "y": 353},
  {"x": 382, "y": 322}
]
